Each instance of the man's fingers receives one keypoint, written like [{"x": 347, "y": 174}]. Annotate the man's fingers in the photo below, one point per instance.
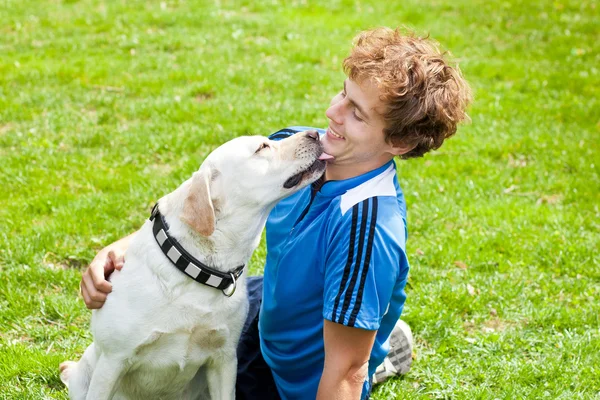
[
  {"x": 116, "y": 261},
  {"x": 89, "y": 303},
  {"x": 94, "y": 294},
  {"x": 98, "y": 280}
]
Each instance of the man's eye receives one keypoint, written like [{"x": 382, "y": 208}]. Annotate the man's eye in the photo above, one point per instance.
[
  {"x": 356, "y": 116},
  {"x": 261, "y": 147}
]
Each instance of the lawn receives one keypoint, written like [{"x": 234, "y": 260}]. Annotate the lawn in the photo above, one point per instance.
[{"x": 105, "y": 106}]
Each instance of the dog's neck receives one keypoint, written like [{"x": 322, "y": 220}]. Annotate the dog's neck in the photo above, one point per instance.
[{"x": 231, "y": 244}]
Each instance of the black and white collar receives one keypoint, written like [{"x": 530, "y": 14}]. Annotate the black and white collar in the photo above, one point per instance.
[{"x": 188, "y": 264}]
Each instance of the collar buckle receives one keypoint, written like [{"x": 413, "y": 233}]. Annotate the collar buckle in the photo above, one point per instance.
[
  {"x": 234, "y": 284},
  {"x": 154, "y": 212}
]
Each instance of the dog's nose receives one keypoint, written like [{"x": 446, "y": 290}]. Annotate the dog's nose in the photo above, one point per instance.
[{"x": 313, "y": 135}]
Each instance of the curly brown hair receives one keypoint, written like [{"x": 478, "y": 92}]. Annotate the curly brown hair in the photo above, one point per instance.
[{"x": 426, "y": 97}]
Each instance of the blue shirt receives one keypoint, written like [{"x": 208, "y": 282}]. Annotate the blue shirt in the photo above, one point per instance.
[{"x": 338, "y": 253}]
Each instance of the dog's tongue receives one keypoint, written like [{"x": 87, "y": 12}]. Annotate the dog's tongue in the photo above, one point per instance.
[{"x": 326, "y": 157}]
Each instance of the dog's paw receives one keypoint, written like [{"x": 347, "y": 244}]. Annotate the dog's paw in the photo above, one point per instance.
[{"x": 66, "y": 368}]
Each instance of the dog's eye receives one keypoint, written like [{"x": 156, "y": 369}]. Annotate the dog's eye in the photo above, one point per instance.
[{"x": 262, "y": 146}]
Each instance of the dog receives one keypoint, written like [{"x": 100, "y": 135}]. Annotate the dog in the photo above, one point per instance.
[{"x": 163, "y": 335}]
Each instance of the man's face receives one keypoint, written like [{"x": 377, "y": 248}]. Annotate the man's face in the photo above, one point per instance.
[{"x": 355, "y": 134}]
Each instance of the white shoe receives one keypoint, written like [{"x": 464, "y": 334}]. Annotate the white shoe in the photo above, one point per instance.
[{"x": 399, "y": 358}]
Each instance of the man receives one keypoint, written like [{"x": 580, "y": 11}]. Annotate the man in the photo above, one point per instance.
[{"x": 336, "y": 264}]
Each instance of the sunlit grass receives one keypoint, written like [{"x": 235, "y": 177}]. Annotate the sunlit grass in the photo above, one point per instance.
[{"x": 106, "y": 106}]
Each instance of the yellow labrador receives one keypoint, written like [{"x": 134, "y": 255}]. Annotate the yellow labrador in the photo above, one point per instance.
[{"x": 161, "y": 325}]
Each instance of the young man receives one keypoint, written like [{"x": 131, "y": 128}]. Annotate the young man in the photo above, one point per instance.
[{"x": 333, "y": 287}]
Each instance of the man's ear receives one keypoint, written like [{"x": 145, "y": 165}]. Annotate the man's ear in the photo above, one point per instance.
[
  {"x": 198, "y": 210},
  {"x": 399, "y": 148}
]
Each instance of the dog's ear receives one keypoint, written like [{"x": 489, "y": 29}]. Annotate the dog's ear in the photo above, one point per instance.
[{"x": 198, "y": 210}]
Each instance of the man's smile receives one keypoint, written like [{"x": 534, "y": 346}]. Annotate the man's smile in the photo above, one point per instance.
[{"x": 334, "y": 135}]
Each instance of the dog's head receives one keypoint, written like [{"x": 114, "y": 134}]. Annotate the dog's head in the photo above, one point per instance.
[{"x": 252, "y": 173}]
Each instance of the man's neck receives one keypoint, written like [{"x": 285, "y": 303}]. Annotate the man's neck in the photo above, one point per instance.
[{"x": 340, "y": 172}]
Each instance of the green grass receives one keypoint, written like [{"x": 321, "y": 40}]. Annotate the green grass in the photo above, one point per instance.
[{"x": 106, "y": 106}]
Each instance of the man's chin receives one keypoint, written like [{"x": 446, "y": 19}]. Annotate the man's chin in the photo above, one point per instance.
[{"x": 329, "y": 149}]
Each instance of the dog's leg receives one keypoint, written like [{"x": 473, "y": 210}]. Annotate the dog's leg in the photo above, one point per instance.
[
  {"x": 106, "y": 377},
  {"x": 77, "y": 375},
  {"x": 221, "y": 377}
]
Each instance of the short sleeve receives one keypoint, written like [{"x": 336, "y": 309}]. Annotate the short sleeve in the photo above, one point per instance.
[{"x": 363, "y": 261}]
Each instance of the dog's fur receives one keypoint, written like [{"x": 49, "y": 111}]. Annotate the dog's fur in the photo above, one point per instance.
[{"x": 161, "y": 335}]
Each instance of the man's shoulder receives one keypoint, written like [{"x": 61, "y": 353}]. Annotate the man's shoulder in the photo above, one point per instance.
[
  {"x": 375, "y": 189},
  {"x": 381, "y": 211},
  {"x": 375, "y": 205}
]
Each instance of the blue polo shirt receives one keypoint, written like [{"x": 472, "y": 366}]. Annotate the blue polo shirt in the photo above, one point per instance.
[{"x": 338, "y": 253}]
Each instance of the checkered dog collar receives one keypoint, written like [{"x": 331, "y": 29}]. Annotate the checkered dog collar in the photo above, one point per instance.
[{"x": 188, "y": 264}]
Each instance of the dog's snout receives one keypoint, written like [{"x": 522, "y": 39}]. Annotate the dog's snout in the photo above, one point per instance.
[{"x": 313, "y": 135}]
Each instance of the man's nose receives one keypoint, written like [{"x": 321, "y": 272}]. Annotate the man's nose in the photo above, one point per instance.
[
  {"x": 313, "y": 135},
  {"x": 333, "y": 113}
]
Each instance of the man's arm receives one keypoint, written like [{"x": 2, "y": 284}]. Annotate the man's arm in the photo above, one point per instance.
[
  {"x": 94, "y": 284},
  {"x": 347, "y": 352}
]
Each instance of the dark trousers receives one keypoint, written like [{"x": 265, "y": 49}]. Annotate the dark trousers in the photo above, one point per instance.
[{"x": 254, "y": 377}]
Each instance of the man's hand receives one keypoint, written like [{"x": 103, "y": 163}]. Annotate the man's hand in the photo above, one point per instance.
[
  {"x": 347, "y": 352},
  {"x": 94, "y": 284}
]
